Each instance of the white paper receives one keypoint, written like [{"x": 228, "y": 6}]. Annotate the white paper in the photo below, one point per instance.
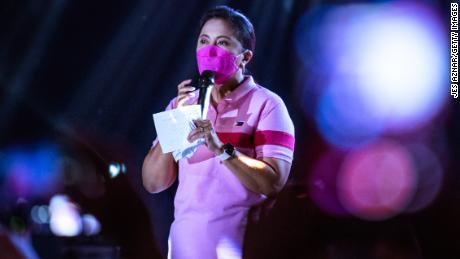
[
  {"x": 188, "y": 151},
  {"x": 174, "y": 126}
]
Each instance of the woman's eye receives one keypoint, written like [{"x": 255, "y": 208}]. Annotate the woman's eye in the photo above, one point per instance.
[
  {"x": 223, "y": 43},
  {"x": 203, "y": 41}
]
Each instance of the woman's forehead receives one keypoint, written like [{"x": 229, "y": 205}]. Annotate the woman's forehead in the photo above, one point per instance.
[{"x": 217, "y": 27}]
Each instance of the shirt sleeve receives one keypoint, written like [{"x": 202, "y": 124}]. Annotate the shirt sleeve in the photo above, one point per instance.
[
  {"x": 170, "y": 106},
  {"x": 274, "y": 136}
]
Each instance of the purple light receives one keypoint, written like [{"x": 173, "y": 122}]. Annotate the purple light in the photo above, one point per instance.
[
  {"x": 370, "y": 69},
  {"x": 430, "y": 176},
  {"x": 343, "y": 118},
  {"x": 91, "y": 226},
  {"x": 228, "y": 248},
  {"x": 377, "y": 182},
  {"x": 31, "y": 171},
  {"x": 401, "y": 63}
]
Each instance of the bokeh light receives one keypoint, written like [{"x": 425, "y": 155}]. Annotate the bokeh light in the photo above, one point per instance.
[
  {"x": 65, "y": 218},
  {"x": 430, "y": 176},
  {"x": 91, "y": 226},
  {"x": 373, "y": 69},
  {"x": 116, "y": 168},
  {"x": 228, "y": 248},
  {"x": 30, "y": 171},
  {"x": 40, "y": 214},
  {"x": 402, "y": 64},
  {"x": 377, "y": 181},
  {"x": 343, "y": 119}
]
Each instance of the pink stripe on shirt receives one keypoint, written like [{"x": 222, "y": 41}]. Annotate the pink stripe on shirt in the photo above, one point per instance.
[
  {"x": 273, "y": 137},
  {"x": 237, "y": 139}
]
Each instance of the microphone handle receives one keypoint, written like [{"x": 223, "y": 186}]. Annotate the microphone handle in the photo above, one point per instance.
[{"x": 204, "y": 99}]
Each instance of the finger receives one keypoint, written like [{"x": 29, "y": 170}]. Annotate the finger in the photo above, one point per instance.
[
  {"x": 186, "y": 89},
  {"x": 195, "y": 132},
  {"x": 191, "y": 137},
  {"x": 190, "y": 93},
  {"x": 181, "y": 100},
  {"x": 199, "y": 122},
  {"x": 206, "y": 124},
  {"x": 184, "y": 83},
  {"x": 187, "y": 95},
  {"x": 195, "y": 135},
  {"x": 183, "y": 97}
]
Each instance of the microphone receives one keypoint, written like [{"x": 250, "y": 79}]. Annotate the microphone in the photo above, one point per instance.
[{"x": 205, "y": 83}]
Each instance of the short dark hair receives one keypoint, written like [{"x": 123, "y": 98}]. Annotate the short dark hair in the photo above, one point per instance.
[{"x": 240, "y": 23}]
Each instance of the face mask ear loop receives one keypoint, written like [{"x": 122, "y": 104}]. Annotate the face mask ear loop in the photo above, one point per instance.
[{"x": 244, "y": 65}]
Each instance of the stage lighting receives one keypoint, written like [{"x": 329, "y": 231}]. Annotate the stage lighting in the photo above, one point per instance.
[
  {"x": 65, "y": 218},
  {"x": 116, "y": 168},
  {"x": 378, "y": 181},
  {"x": 372, "y": 69}
]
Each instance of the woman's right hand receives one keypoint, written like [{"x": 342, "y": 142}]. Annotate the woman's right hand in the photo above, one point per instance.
[{"x": 184, "y": 92}]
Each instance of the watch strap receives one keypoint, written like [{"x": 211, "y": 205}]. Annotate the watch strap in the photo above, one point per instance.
[
  {"x": 228, "y": 152},
  {"x": 224, "y": 156}
]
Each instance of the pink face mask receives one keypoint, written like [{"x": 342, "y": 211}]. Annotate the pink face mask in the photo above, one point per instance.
[{"x": 218, "y": 60}]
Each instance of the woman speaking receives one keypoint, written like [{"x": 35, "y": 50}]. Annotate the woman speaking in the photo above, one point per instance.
[{"x": 248, "y": 150}]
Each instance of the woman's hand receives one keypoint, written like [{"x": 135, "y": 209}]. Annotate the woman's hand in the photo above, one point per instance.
[
  {"x": 266, "y": 175},
  {"x": 204, "y": 129},
  {"x": 184, "y": 92}
]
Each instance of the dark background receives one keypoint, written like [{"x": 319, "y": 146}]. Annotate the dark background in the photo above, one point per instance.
[{"x": 89, "y": 74}]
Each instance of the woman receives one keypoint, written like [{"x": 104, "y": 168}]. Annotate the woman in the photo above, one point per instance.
[{"x": 248, "y": 151}]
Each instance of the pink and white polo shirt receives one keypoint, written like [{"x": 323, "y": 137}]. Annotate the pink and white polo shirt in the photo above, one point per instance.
[{"x": 211, "y": 204}]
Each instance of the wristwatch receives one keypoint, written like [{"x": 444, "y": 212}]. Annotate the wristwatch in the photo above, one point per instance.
[{"x": 229, "y": 151}]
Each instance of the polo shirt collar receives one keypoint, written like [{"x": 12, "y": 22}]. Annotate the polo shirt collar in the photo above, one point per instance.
[{"x": 245, "y": 87}]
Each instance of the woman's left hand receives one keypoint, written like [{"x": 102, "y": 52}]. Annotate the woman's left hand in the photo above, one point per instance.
[{"x": 204, "y": 129}]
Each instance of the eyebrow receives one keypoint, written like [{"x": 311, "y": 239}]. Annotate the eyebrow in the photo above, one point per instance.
[{"x": 221, "y": 36}]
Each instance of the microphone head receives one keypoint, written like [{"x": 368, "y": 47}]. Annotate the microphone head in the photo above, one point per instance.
[{"x": 206, "y": 78}]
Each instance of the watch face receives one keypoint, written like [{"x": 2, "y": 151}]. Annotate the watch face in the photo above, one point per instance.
[{"x": 229, "y": 149}]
